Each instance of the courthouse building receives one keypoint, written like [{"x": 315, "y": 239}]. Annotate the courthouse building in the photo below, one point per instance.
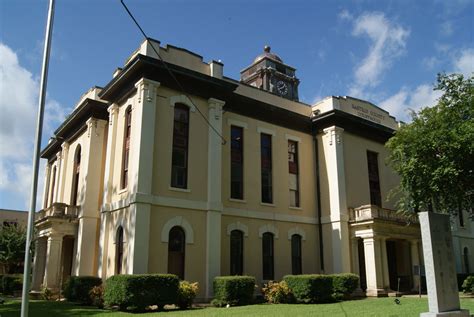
[{"x": 139, "y": 180}]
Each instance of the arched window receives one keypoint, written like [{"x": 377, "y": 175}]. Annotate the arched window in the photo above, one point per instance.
[
  {"x": 296, "y": 267},
  {"x": 53, "y": 185},
  {"x": 119, "y": 250},
  {"x": 176, "y": 251},
  {"x": 126, "y": 147},
  {"x": 75, "y": 176},
  {"x": 236, "y": 252},
  {"x": 466, "y": 259},
  {"x": 179, "y": 160},
  {"x": 267, "y": 256}
]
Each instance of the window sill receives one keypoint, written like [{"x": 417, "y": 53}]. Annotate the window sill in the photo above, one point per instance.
[
  {"x": 241, "y": 201},
  {"x": 182, "y": 190},
  {"x": 123, "y": 190},
  {"x": 267, "y": 204},
  {"x": 295, "y": 208}
]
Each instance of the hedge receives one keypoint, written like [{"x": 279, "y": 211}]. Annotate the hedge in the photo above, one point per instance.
[
  {"x": 344, "y": 284},
  {"x": 77, "y": 288},
  {"x": 310, "y": 288},
  {"x": 233, "y": 290},
  {"x": 137, "y": 292},
  {"x": 11, "y": 283}
]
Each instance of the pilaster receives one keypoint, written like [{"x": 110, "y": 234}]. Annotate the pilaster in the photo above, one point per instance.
[
  {"x": 59, "y": 173},
  {"x": 214, "y": 198},
  {"x": 334, "y": 155},
  {"x": 39, "y": 264},
  {"x": 142, "y": 160},
  {"x": 62, "y": 171},
  {"x": 110, "y": 157},
  {"x": 47, "y": 174}
]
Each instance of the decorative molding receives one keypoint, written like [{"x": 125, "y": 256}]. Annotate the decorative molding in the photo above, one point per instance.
[
  {"x": 181, "y": 222},
  {"x": 238, "y": 226},
  {"x": 297, "y": 230},
  {"x": 182, "y": 190},
  {"x": 147, "y": 88},
  {"x": 292, "y": 138},
  {"x": 237, "y": 123},
  {"x": 182, "y": 99},
  {"x": 268, "y": 228},
  {"x": 334, "y": 134},
  {"x": 266, "y": 131}
]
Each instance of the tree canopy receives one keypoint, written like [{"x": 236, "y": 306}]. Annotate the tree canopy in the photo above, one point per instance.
[
  {"x": 434, "y": 154},
  {"x": 12, "y": 247}
]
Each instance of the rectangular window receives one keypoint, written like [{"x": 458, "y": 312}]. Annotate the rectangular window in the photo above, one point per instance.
[
  {"x": 266, "y": 167},
  {"x": 267, "y": 256},
  {"x": 126, "y": 147},
  {"x": 236, "y": 252},
  {"x": 237, "y": 163},
  {"x": 294, "y": 173},
  {"x": 374, "y": 181},
  {"x": 296, "y": 267},
  {"x": 179, "y": 160}
]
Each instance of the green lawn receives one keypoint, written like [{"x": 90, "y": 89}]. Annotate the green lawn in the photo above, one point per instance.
[{"x": 367, "y": 307}]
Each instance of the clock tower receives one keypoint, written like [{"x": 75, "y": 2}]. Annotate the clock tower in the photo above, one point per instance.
[{"x": 269, "y": 73}]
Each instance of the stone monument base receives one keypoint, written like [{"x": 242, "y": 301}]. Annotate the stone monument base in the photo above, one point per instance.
[{"x": 454, "y": 313}]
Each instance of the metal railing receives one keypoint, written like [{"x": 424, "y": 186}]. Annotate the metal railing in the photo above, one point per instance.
[
  {"x": 58, "y": 210},
  {"x": 371, "y": 212}
]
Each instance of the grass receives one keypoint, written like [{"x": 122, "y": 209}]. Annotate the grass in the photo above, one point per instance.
[{"x": 386, "y": 307}]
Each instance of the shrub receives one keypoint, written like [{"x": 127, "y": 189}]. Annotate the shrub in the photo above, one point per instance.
[
  {"x": 468, "y": 284},
  {"x": 12, "y": 283},
  {"x": 96, "y": 295},
  {"x": 233, "y": 290},
  {"x": 137, "y": 292},
  {"x": 311, "y": 288},
  {"x": 46, "y": 293},
  {"x": 186, "y": 294},
  {"x": 344, "y": 284},
  {"x": 277, "y": 293},
  {"x": 77, "y": 288}
]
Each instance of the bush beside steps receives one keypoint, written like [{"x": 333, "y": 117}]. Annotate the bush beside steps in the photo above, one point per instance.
[{"x": 78, "y": 288}]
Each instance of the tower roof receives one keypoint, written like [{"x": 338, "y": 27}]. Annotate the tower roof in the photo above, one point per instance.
[{"x": 266, "y": 53}]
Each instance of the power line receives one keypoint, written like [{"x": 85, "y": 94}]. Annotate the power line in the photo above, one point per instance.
[{"x": 171, "y": 73}]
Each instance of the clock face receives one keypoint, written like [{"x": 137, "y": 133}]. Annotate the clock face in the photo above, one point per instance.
[{"x": 282, "y": 88}]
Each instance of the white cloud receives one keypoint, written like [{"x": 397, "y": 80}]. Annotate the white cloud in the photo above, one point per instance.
[
  {"x": 387, "y": 42},
  {"x": 400, "y": 104},
  {"x": 18, "y": 105},
  {"x": 345, "y": 15},
  {"x": 430, "y": 62},
  {"x": 446, "y": 28},
  {"x": 464, "y": 62}
]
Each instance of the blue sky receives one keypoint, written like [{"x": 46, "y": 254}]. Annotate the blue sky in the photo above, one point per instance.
[{"x": 387, "y": 52}]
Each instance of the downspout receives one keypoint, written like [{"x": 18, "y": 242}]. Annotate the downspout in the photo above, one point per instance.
[{"x": 318, "y": 201}]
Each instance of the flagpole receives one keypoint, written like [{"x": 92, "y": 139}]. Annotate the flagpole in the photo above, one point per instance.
[{"x": 36, "y": 158}]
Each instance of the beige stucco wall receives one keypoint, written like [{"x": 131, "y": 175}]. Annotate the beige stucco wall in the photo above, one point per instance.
[
  {"x": 357, "y": 175},
  {"x": 15, "y": 216}
]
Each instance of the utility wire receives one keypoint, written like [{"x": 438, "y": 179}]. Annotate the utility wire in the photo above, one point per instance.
[{"x": 171, "y": 73}]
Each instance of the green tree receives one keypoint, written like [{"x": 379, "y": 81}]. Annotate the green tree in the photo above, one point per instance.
[
  {"x": 434, "y": 154},
  {"x": 12, "y": 247}
]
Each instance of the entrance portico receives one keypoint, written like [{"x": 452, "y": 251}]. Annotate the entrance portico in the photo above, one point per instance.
[
  {"x": 384, "y": 250},
  {"x": 54, "y": 246}
]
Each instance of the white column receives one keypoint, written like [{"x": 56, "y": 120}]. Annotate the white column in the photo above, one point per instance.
[
  {"x": 142, "y": 144},
  {"x": 103, "y": 245},
  {"x": 373, "y": 266},
  {"x": 214, "y": 197},
  {"x": 53, "y": 261},
  {"x": 386, "y": 275},
  {"x": 47, "y": 175},
  {"x": 61, "y": 171},
  {"x": 415, "y": 261},
  {"x": 334, "y": 155}
]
